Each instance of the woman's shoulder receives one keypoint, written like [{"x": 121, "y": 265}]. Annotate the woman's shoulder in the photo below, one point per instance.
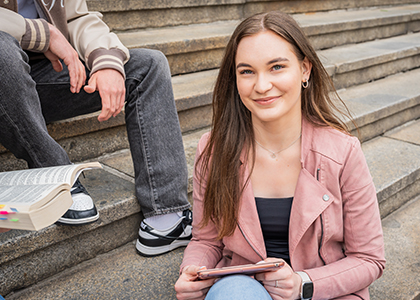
[
  {"x": 333, "y": 143},
  {"x": 203, "y": 141}
]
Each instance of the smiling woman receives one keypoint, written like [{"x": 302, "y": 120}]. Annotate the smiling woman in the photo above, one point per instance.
[
  {"x": 280, "y": 177},
  {"x": 270, "y": 86}
]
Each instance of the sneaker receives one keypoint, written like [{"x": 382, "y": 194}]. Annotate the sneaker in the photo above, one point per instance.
[
  {"x": 82, "y": 211},
  {"x": 153, "y": 242}
]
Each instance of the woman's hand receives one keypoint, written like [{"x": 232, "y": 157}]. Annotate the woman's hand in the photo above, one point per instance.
[
  {"x": 281, "y": 284},
  {"x": 188, "y": 287}
]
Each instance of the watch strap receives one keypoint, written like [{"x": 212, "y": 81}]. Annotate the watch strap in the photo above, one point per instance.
[{"x": 306, "y": 280}]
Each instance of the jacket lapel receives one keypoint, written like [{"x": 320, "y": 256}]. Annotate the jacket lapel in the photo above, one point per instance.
[{"x": 310, "y": 200}]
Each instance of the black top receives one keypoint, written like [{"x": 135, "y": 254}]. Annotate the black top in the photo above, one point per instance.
[{"x": 274, "y": 214}]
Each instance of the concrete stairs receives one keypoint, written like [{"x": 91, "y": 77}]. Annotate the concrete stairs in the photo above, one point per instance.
[{"x": 370, "y": 48}]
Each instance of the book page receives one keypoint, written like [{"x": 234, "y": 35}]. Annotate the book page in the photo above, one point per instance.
[
  {"x": 25, "y": 195},
  {"x": 50, "y": 175}
]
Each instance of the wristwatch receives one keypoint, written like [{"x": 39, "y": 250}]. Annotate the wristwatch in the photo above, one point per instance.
[{"x": 307, "y": 289}]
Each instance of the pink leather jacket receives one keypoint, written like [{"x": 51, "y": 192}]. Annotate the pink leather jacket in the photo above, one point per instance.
[{"x": 335, "y": 232}]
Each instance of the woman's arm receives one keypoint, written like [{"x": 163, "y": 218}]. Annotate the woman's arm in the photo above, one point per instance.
[
  {"x": 204, "y": 250},
  {"x": 363, "y": 238}
]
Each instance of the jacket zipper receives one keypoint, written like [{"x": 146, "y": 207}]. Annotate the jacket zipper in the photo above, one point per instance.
[
  {"x": 322, "y": 225},
  {"x": 249, "y": 242}
]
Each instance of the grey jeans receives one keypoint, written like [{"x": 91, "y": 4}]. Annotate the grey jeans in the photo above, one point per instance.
[{"x": 33, "y": 94}]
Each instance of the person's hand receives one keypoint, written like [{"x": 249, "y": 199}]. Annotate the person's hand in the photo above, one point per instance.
[
  {"x": 4, "y": 230},
  {"x": 60, "y": 48},
  {"x": 188, "y": 287},
  {"x": 111, "y": 86},
  {"x": 281, "y": 284}
]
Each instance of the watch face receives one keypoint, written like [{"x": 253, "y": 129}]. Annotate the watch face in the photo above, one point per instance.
[{"x": 307, "y": 290}]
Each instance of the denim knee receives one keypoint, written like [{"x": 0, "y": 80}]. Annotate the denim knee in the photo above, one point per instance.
[
  {"x": 13, "y": 60},
  {"x": 143, "y": 61},
  {"x": 239, "y": 287}
]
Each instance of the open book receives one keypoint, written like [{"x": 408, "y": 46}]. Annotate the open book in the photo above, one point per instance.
[{"x": 36, "y": 198}]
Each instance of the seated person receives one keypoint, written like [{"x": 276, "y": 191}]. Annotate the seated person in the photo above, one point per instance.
[
  {"x": 59, "y": 62},
  {"x": 280, "y": 177}
]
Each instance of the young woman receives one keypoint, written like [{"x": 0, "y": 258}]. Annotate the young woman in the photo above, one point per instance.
[{"x": 279, "y": 176}]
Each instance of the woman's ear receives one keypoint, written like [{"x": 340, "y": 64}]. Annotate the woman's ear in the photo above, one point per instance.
[{"x": 306, "y": 69}]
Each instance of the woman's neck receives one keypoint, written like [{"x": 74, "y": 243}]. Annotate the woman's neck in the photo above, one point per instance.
[{"x": 279, "y": 134}]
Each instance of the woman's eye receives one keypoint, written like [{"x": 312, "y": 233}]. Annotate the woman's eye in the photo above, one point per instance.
[
  {"x": 277, "y": 67},
  {"x": 245, "y": 72}
]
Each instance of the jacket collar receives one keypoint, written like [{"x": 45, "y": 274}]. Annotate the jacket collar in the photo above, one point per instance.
[{"x": 320, "y": 139}]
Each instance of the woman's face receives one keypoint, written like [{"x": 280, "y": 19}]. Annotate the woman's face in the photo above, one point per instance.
[{"x": 269, "y": 77}]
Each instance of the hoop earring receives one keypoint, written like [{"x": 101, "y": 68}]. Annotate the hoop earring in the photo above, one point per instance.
[{"x": 305, "y": 83}]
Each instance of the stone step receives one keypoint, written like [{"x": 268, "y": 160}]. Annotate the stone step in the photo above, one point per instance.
[
  {"x": 123, "y": 274},
  {"x": 198, "y": 47},
  {"x": 401, "y": 278},
  {"x": 381, "y": 105},
  {"x": 394, "y": 165},
  {"x": 355, "y": 64},
  {"x": 133, "y": 15},
  {"x": 118, "y": 274}
]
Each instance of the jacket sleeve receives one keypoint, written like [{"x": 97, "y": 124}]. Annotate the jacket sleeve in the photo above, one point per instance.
[
  {"x": 32, "y": 34},
  {"x": 92, "y": 39},
  {"x": 204, "y": 249},
  {"x": 364, "y": 259}
]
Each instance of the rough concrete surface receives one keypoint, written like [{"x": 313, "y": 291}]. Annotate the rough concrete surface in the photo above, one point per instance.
[
  {"x": 408, "y": 132},
  {"x": 401, "y": 278},
  {"x": 119, "y": 274},
  {"x": 392, "y": 164}
]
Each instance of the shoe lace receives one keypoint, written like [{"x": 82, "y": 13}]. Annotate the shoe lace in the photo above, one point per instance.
[{"x": 78, "y": 188}]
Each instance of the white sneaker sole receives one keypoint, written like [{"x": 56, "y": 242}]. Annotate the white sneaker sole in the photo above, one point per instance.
[
  {"x": 152, "y": 251},
  {"x": 78, "y": 221}
]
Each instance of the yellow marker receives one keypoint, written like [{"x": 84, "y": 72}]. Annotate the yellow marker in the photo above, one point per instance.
[{"x": 2, "y": 205}]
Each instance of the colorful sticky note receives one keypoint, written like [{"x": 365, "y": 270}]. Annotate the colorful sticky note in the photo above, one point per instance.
[
  {"x": 13, "y": 209},
  {"x": 14, "y": 220},
  {"x": 2, "y": 205},
  {"x": 3, "y": 219}
]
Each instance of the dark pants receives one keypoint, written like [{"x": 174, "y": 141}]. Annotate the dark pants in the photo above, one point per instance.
[{"x": 33, "y": 94}]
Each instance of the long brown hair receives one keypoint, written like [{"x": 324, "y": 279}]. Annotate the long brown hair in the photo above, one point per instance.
[{"x": 232, "y": 131}]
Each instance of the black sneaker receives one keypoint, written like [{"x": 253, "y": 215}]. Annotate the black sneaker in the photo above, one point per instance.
[
  {"x": 82, "y": 211},
  {"x": 153, "y": 242}
]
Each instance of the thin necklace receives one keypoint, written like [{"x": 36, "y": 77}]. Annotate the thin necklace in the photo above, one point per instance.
[{"x": 273, "y": 154}]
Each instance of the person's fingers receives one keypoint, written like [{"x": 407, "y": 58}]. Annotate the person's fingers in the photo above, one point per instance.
[
  {"x": 82, "y": 77},
  {"x": 91, "y": 86},
  {"x": 121, "y": 102},
  {"x": 55, "y": 62}
]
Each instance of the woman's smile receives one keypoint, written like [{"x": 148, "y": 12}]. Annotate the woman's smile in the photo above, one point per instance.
[{"x": 267, "y": 100}]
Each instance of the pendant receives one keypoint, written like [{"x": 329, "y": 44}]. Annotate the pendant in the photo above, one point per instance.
[{"x": 273, "y": 155}]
